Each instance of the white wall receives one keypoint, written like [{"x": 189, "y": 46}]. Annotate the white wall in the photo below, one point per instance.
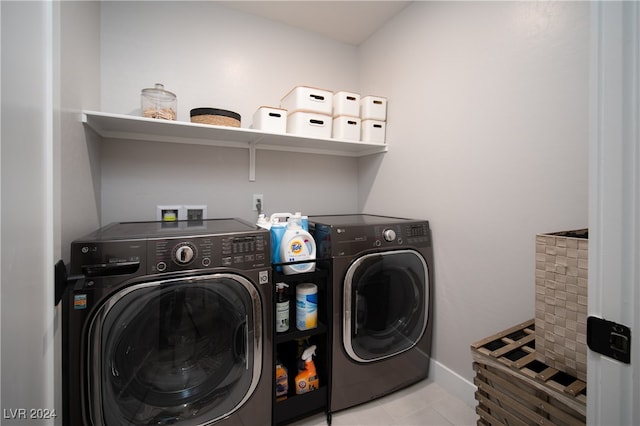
[
  {"x": 211, "y": 56},
  {"x": 137, "y": 176},
  {"x": 47, "y": 185},
  {"x": 77, "y": 83},
  {"x": 488, "y": 139},
  {"x": 27, "y": 208},
  {"x": 79, "y": 89}
]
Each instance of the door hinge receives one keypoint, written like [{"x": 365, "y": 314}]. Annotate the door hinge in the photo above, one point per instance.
[{"x": 609, "y": 338}]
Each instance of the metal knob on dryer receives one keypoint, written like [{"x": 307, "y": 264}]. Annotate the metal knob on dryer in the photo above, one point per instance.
[
  {"x": 184, "y": 254},
  {"x": 389, "y": 235}
]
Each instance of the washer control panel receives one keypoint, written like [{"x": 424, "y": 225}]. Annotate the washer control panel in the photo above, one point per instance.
[
  {"x": 399, "y": 234},
  {"x": 178, "y": 254},
  {"x": 345, "y": 240}
]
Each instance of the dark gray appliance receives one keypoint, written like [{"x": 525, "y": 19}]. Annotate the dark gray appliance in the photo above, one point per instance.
[
  {"x": 169, "y": 323},
  {"x": 382, "y": 272}
]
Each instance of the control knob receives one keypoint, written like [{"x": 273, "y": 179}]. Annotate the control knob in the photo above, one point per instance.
[
  {"x": 184, "y": 254},
  {"x": 389, "y": 235}
]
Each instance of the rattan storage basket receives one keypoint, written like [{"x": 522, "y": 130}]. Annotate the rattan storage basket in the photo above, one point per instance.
[
  {"x": 215, "y": 116},
  {"x": 514, "y": 388}
]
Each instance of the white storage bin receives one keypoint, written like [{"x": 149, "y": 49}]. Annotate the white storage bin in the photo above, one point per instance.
[
  {"x": 308, "y": 99},
  {"x": 373, "y": 108},
  {"x": 346, "y": 103},
  {"x": 270, "y": 119},
  {"x": 374, "y": 131},
  {"x": 345, "y": 127},
  {"x": 311, "y": 124}
]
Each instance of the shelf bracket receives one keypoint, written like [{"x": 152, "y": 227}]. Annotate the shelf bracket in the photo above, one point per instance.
[
  {"x": 252, "y": 161},
  {"x": 252, "y": 158}
]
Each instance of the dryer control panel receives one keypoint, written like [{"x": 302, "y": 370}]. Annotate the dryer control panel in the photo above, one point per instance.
[{"x": 179, "y": 254}]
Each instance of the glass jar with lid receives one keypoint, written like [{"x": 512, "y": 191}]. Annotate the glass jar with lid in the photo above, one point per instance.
[{"x": 159, "y": 103}]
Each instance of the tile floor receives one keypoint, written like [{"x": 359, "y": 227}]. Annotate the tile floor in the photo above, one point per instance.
[{"x": 423, "y": 404}]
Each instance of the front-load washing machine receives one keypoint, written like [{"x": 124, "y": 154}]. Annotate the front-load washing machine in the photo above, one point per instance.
[
  {"x": 169, "y": 323},
  {"x": 382, "y": 273}
]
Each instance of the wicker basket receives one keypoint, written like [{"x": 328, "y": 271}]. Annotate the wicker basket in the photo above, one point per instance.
[
  {"x": 513, "y": 388},
  {"x": 561, "y": 301},
  {"x": 215, "y": 116}
]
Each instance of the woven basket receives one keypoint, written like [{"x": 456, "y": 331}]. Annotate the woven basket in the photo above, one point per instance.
[
  {"x": 215, "y": 116},
  {"x": 561, "y": 301},
  {"x": 514, "y": 388}
]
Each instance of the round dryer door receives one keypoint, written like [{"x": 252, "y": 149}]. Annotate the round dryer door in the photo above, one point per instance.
[
  {"x": 385, "y": 302},
  {"x": 185, "y": 351}
]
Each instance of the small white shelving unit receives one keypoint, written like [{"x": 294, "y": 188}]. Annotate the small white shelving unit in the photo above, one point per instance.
[{"x": 120, "y": 126}]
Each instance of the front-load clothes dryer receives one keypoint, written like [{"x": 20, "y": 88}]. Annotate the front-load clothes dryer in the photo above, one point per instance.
[
  {"x": 169, "y": 323},
  {"x": 382, "y": 273}
]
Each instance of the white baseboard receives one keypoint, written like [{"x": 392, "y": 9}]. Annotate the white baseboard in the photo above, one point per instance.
[{"x": 454, "y": 383}]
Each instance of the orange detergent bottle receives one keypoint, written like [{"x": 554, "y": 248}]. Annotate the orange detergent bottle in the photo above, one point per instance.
[
  {"x": 307, "y": 380},
  {"x": 281, "y": 381}
]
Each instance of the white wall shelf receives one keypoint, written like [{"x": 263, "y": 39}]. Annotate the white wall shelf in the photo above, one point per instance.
[{"x": 119, "y": 126}]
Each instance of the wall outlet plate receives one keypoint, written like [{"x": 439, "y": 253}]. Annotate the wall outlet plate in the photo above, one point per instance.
[
  {"x": 168, "y": 213},
  {"x": 193, "y": 212},
  {"x": 257, "y": 199}
]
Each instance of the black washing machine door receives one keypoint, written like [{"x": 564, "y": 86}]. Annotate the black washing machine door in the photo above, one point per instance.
[
  {"x": 183, "y": 351},
  {"x": 385, "y": 302}
]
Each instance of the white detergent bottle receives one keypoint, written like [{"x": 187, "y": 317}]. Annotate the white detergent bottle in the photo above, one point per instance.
[{"x": 296, "y": 245}]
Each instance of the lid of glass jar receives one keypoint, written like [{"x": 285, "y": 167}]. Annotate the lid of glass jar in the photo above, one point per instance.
[{"x": 158, "y": 92}]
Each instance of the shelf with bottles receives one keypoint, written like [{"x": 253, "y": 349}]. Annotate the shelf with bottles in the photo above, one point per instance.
[
  {"x": 294, "y": 334},
  {"x": 319, "y": 278},
  {"x": 290, "y": 344},
  {"x": 295, "y": 405}
]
